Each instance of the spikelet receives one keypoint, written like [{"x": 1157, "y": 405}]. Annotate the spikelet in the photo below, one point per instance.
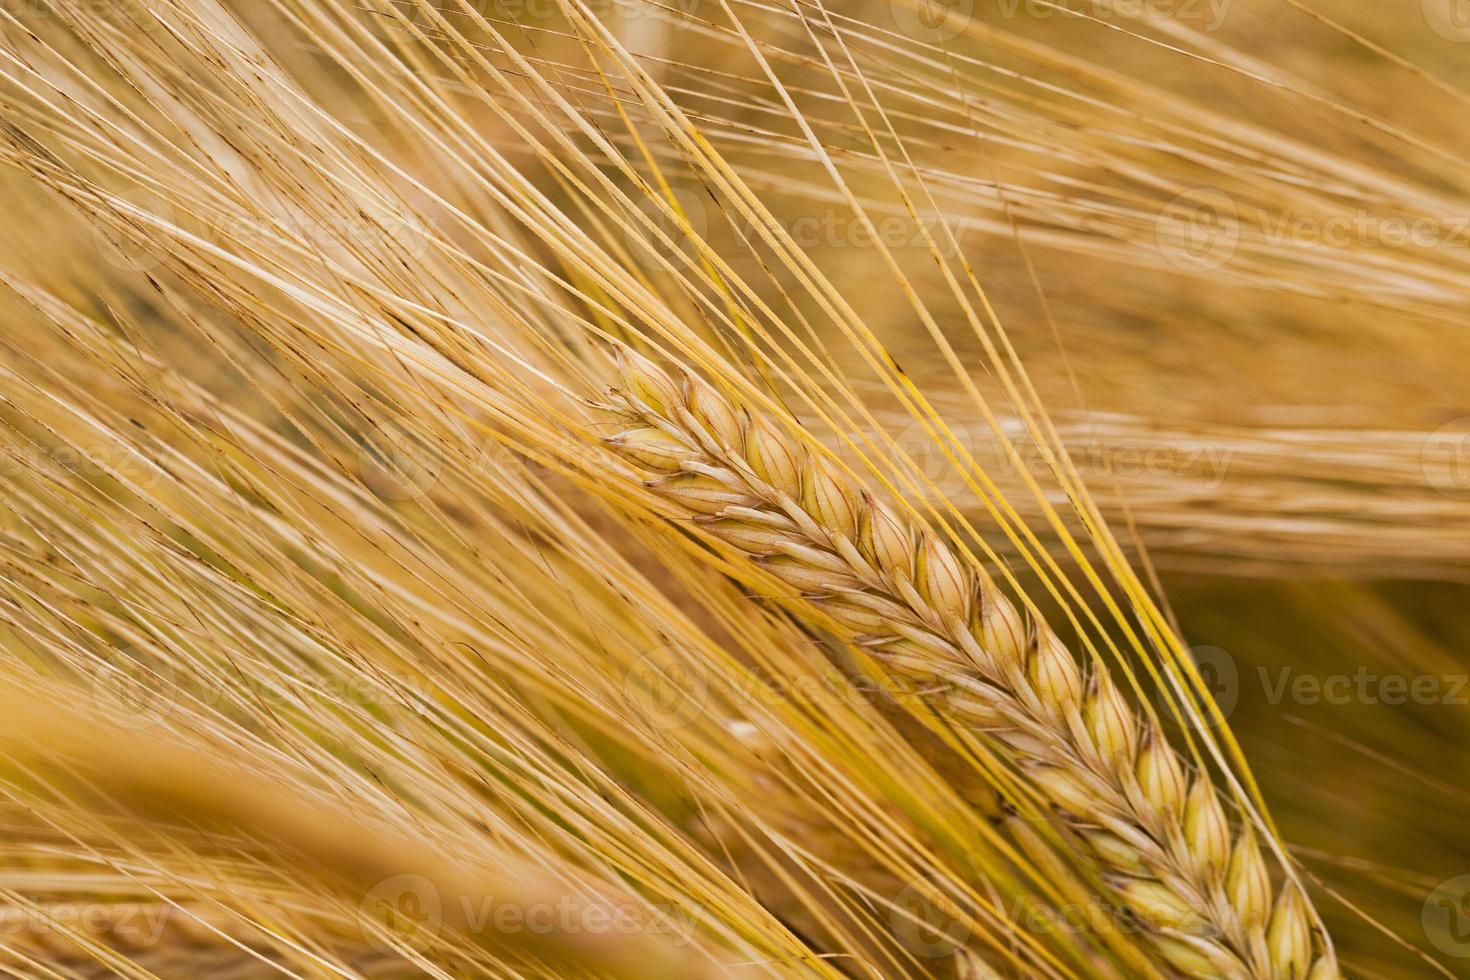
[
  {"x": 1113, "y": 739},
  {"x": 1289, "y": 938},
  {"x": 1156, "y": 905},
  {"x": 653, "y": 448},
  {"x": 1056, "y": 683},
  {"x": 1248, "y": 883},
  {"x": 1325, "y": 969},
  {"x": 887, "y": 541},
  {"x": 1206, "y": 831},
  {"x": 935, "y": 620},
  {"x": 1160, "y": 781}
]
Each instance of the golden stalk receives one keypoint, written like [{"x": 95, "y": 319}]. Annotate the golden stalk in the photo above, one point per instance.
[{"x": 1168, "y": 856}]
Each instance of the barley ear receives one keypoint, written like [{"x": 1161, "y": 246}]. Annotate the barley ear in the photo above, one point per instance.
[{"x": 935, "y": 620}]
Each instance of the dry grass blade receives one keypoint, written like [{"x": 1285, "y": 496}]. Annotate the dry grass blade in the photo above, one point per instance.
[{"x": 142, "y": 777}]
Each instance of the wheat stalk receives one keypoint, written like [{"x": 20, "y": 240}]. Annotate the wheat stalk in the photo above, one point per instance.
[{"x": 1161, "y": 839}]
